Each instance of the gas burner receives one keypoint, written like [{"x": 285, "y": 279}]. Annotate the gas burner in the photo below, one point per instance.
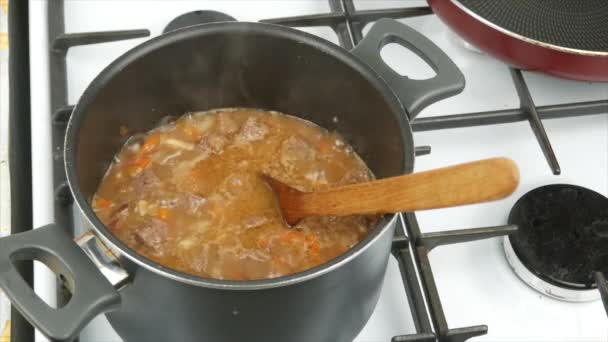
[
  {"x": 196, "y": 18},
  {"x": 561, "y": 242}
]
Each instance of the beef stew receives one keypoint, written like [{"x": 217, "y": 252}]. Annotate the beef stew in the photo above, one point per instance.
[{"x": 189, "y": 196}]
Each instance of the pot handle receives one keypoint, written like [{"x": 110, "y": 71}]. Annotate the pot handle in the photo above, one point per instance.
[
  {"x": 92, "y": 294},
  {"x": 415, "y": 95}
]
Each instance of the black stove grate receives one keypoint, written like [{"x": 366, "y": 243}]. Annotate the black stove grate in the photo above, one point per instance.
[
  {"x": 346, "y": 21},
  {"x": 410, "y": 246},
  {"x": 412, "y": 253},
  {"x": 19, "y": 146}
]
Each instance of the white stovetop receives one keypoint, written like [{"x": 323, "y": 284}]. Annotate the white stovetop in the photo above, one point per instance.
[{"x": 474, "y": 280}]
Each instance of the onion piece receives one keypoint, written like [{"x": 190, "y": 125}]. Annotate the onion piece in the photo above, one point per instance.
[
  {"x": 171, "y": 156},
  {"x": 179, "y": 144}
]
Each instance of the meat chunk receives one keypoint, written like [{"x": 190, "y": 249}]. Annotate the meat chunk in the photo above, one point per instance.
[
  {"x": 146, "y": 182},
  {"x": 252, "y": 130},
  {"x": 216, "y": 142},
  {"x": 295, "y": 150},
  {"x": 152, "y": 236},
  {"x": 191, "y": 203},
  {"x": 227, "y": 125},
  {"x": 212, "y": 144},
  {"x": 356, "y": 176},
  {"x": 118, "y": 217}
]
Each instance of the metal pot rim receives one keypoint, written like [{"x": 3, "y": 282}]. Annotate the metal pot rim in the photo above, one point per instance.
[{"x": 140, "y": 51}]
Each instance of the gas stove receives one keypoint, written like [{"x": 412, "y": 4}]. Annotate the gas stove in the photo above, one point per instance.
[{"x": 453, "y": 292}]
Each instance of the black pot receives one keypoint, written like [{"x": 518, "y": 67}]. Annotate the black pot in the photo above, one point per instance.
[{"x": 216, "y": 66}]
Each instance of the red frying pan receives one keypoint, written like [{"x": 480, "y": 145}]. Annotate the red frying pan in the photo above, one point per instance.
[{"x": 567, "y": 38}]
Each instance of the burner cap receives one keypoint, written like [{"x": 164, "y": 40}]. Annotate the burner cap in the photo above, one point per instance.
[
  {"x": 196, "y": 18},
  {"x": 562, "y": 239}
]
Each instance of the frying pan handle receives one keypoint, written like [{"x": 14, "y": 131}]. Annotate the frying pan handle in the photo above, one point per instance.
[
  {"x": 92, "y": 294},
  {"x": 415, "y": 95}
]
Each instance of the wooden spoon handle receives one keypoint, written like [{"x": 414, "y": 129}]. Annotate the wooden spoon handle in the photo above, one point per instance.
[{"x": 475, "y": 182}]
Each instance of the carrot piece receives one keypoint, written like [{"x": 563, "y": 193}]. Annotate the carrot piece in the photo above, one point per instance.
[
  {"x": 163, "y": 213},
  {"x": 290, "y": 236},
  {"x": 102, "y": 203},
  {"x": 150, "y": 143},
  {"x": 313, "y": 244},
  {"x": 262, "y": 243},
  {"x": 142, "y": 162},
  {"x": 280, "y": 261},
  {"x": 137, "y": 166},
  {"x": 133, "y": 170},
  {"x": 188, "y": 130},
  {"x": 324, "y": 145}
]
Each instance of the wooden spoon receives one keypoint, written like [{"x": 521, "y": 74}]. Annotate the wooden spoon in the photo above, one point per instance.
[{"x": 475, "y": 182}]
